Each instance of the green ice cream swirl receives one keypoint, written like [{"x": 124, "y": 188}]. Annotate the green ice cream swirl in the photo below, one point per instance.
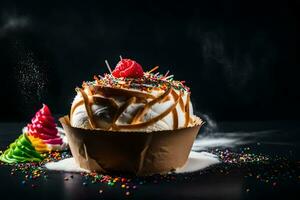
[{"x": 21, "y": 150}]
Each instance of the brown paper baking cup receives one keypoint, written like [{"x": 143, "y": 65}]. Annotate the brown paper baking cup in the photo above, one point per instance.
[{"x": 140, "y": 153}]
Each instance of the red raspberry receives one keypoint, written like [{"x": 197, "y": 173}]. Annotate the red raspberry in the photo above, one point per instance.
[{"x": 128, "y": 69}]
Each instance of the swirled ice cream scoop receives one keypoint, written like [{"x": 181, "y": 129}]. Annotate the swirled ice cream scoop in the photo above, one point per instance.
[
  {"x": 21, "y": 151},
  {"x": 43, "y": 133},
  {"x": 129, "y": 99}
]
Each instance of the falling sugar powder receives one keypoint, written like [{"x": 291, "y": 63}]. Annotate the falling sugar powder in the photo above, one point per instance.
[
  {"x": 31, "y": 79},
  {"x": 30, "y": 76},
  {"x": 196, "y": 161}
]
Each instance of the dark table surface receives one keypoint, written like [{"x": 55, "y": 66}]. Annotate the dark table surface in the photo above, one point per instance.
[{"x": 277, "y": 178}]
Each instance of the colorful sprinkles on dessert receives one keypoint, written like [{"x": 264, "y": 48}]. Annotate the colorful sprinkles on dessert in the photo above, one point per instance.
[{"x": 135, "y": 78}]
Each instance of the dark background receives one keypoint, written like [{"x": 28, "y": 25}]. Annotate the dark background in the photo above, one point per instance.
[{"x": 240, "y": 58}]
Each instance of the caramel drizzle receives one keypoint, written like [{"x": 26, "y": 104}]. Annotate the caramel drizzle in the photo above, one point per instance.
[
  {"x": 108, "y": 91},
  {"x": 181, "y": 104},
  {"x": 135, "y": 121},
  {"x": 143, "y": 110},
  {"x": 139, "y": 100},
  {"x": 87, "y": 89},
  {"x": 187, "y": 110},
  {"x": 174, "y": 111},
  {"x": 151, "y": 121},
  {"x": 101, "y": 99},
  {"x": 165, "y": 99},
  {"x": 122, "y": 109},
  {"x": 88, "y": 108},
  {"x": 74, "y": 106}
]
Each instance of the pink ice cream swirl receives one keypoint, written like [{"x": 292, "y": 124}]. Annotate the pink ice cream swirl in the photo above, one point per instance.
[{"x": 43, "y": 127}]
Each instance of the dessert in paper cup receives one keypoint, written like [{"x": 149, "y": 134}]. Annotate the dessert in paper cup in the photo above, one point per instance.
[{"x": 131, "y": 121}]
